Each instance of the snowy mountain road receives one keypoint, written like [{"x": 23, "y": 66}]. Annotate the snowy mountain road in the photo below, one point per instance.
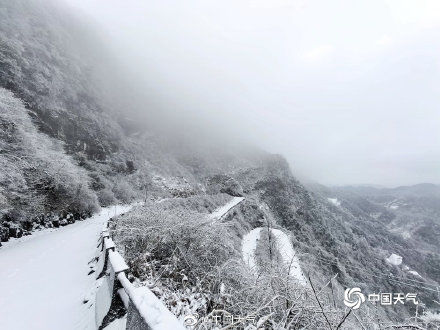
[{"x": 43, "y": 277}]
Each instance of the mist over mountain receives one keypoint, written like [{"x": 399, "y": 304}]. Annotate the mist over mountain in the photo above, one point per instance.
[{"x": 77, "y": 136}]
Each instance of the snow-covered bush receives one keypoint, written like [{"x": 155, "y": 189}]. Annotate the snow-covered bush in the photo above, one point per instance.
[
  {"x": 195, "y": 266},
  {"x": 106, "y": 197},
  {"x": 177, "y": 246},
  {"x": 124, "y": 192},
  {"x": 37, "y": 174},
  {"x": 198, "y": 203},
  {"x": 225, "y": 184}
]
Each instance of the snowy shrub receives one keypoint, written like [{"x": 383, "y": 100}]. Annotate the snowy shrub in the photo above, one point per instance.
[
  {"x": 169, "y": 231},
  {"x": 198, "y": 203},
  {"x": 224, "y": 184},
  {"x": 37, "y": 174},
  {"x": 106, "y": 197},
  {"x": 176, "y": 245},
  {"x": 124, "y": 192},
  {"x": 195, "y": 266}
]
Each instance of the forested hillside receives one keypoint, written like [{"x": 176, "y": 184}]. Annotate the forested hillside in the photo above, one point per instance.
[
  {"x": 330, "y": 241},
  {"x": 49, "y": 62},
  {"x": 410, "y": 214},
  {"x": 61, "y": 151}
]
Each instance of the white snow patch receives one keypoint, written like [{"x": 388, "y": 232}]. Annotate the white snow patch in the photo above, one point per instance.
[
  {"x": 431, "y": 317},
  {"x": 395, "y": 204},
  {"x": 44, "y": 277},
  {"x": 222, "y": 210},
  {"x": 394, "y": 259},
  {"x": 249, "y": 246},
  {"x": 413, "y": 272},
  {"x": 288, "y": 254},
  {"x": 222, "y": 288},
  {"x": 117, "y": 324},
  {"x": 334, "y": 201}
]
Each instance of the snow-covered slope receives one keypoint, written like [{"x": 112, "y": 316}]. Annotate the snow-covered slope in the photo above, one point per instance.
[
  {"x": 44, "y": 277},
  {"x": 394, "y": 259}
]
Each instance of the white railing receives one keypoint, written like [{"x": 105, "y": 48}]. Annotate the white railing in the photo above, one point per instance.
[{"x": 144, "y": 309}]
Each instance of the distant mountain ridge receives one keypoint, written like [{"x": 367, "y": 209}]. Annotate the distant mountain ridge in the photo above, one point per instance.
[{"x": 421, "y": 189}]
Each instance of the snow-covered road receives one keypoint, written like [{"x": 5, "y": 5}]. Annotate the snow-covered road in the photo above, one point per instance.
[
  {"x": 43, "y": 277},
  {"x": 222, "y": 210},
  {"x": 288, "y": 255},
  {"x": 284, "y": 246},
  {"x": 249, "y": 245}
]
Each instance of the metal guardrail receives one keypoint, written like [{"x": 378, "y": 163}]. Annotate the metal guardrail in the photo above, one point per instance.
[{"x": 144, "y": 311}]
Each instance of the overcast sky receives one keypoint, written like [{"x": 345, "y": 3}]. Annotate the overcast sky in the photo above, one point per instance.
[{"x": 348, "y": 91}]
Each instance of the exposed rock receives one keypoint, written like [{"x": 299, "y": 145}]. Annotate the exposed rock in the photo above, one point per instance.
[
  {"x": 70, "y": 218},
  {"x": 4, "y": 234},
  {"x": 15, "y": 231},
  {"x": 27, "y": 225}
]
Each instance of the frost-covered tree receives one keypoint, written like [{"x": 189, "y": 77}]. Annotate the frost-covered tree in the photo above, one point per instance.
[{"x": 37, "y": 176}]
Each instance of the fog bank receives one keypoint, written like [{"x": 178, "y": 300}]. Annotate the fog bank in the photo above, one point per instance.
[{"x": 347, "y": 91}]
